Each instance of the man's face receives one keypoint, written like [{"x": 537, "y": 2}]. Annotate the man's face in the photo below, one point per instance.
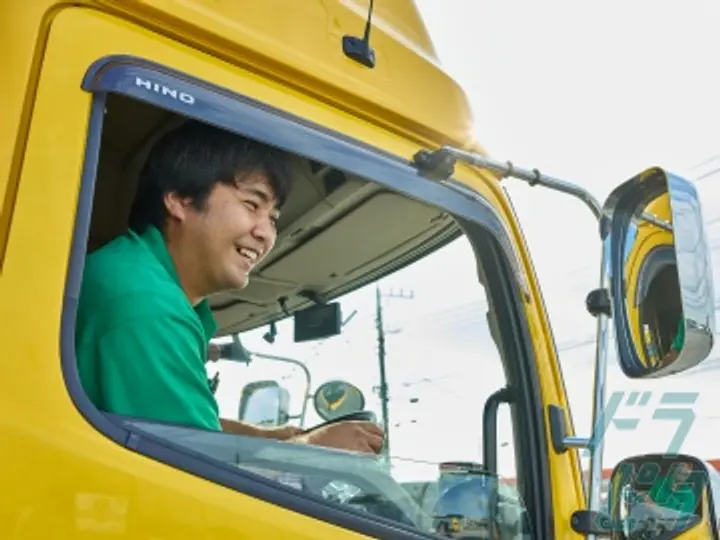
[
  {"x": 232, "y": 233},
  {"x": 682, "y": 472}
]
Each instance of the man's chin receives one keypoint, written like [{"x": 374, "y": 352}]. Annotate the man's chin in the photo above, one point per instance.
[
  {"x": 235, "y": 283},
  {"x": 243, "y": 282}
]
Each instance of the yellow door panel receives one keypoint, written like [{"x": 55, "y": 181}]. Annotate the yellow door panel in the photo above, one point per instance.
[{"x": 62, "y": 478}]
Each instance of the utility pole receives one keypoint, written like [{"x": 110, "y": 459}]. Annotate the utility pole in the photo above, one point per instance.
[{"x": 380, "y": 327}]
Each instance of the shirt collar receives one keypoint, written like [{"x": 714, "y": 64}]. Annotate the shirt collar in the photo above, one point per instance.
[{"x": 155, "y": 242}]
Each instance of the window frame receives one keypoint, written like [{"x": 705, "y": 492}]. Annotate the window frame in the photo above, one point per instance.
[{"x": 480, "y": 222}]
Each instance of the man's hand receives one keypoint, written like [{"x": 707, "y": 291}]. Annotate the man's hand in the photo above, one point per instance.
[{"x": 354, "y": 436}]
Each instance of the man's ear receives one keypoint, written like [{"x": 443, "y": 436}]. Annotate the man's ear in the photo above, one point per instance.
[{"x": 177, "y": 207}]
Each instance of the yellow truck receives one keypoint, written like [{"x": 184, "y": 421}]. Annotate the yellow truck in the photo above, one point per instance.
[{"x": 388, "y": 184}]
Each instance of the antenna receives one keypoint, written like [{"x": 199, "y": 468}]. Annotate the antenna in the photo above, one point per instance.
[{"x": 359, "y": 49}]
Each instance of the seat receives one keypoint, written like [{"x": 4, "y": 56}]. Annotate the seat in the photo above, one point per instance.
[{"x": 129, "y": 132}]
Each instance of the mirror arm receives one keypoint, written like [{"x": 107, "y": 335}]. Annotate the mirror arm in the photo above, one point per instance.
[
  {"x": 576, "y": 442},
  {"x": 598, "y": 303},
  {"x": 313, "y": 296},
  {"x": 560, "y": 439},
  {"x": 440, "y": 165},
  {"x": 598, "y": 524},
  {"x": 644, "y": 216},
  {"x": 597, "y": 439},
  {"x": 283, "y": 306}
]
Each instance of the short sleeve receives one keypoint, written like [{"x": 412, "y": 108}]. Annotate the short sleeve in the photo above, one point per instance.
[{"x": 154, "y": 368}]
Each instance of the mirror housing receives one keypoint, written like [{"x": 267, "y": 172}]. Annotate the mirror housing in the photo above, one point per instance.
[
  {"x": 264, "y": 403},
  {"x": 234, "y": 351},
  {"x": 334, "y": 399},
  {"x": 661, "y": 288},
  {"x": 662, "y": 495}
]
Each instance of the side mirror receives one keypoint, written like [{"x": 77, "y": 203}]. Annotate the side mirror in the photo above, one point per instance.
[
  {"x": 661, "y": 496},
  {"x": 661, "y": 285},
  {"x": 334, "y": 399},
  {"x": 264, "y": 403}
]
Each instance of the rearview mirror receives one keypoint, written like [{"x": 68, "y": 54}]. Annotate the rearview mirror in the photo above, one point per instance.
[
  {"x": 661, "y": 278},
  {"x": 264, "y": 403},
  {"x": 661, "y": 496}
]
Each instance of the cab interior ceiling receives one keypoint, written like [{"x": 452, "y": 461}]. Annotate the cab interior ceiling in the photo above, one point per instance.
[{"x": 336, "y": 231}]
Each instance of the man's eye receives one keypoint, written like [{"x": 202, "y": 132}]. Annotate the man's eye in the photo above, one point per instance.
[{"x": 252, "y": 205}]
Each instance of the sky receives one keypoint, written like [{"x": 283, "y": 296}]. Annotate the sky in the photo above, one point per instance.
[{"x": 593, "y": 94}]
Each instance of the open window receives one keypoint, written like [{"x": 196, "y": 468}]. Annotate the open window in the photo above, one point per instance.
[{"x": 359, "y": 228}]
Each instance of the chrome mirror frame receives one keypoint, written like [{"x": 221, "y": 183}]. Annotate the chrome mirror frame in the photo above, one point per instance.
[{"x": 692, "y": 258}]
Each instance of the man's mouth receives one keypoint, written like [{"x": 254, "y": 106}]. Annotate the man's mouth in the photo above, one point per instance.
[{"x": 250, "y": 255}]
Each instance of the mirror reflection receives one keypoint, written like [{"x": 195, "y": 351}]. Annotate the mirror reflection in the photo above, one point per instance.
[
  {"x": 264, "y": 403},
  {"x": 473, "y": 503},
  {"x": 653, "y": 301},
  {"x": 661, "y": 284},
  {"x": 334, "y": 399},
  {"x": 659, "y": 496}
]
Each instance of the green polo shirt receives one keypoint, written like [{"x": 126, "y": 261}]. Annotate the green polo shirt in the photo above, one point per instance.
[
  {"x": 679, "y": 340},
  {"x": 141, "y": 346},
  {"x": 682, "y": 499}
]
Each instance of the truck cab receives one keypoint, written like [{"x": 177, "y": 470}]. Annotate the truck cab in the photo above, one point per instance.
[{"x": 400, "y": 287}]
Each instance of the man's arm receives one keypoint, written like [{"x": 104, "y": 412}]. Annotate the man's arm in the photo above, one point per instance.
[{"x": 237, "y": 427}]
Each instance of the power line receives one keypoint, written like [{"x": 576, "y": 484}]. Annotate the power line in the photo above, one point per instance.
[
  {"x": 706, "y": 175},
  {"x": 706, "y": 161}
]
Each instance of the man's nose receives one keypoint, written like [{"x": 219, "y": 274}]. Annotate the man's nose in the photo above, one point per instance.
[{"x": 264, "y": 231}]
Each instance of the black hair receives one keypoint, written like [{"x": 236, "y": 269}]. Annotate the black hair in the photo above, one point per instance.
[{"x": 191, "y": 159}]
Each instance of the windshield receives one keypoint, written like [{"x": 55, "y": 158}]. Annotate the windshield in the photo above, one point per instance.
[{"x": 441, "y": 364}]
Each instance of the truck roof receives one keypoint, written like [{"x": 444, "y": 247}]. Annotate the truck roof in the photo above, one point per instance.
[
  {"x": 300, "y": 43},
  {"x": 297, "y": 44}
]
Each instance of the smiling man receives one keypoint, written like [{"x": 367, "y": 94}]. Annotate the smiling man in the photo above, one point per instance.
[{"x": 204, "y": 216}]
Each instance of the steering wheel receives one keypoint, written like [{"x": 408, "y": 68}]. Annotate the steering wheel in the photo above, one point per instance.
[
  {"x": 360, "y": 416},
  {"x": 373, "y": 503}
]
